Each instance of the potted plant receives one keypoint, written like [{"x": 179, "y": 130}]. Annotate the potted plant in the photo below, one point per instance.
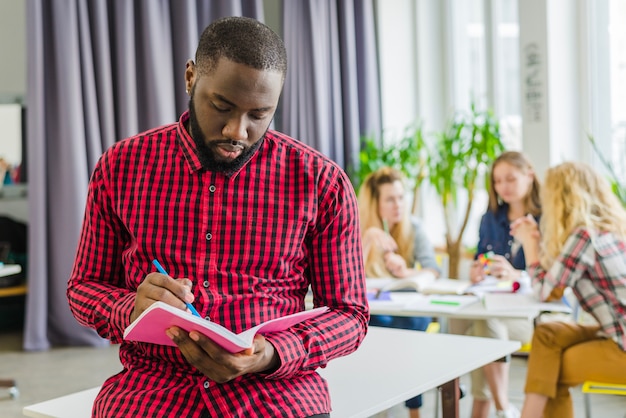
[
  {"x": 408, "y": 154},
  {"x": 461, "y": 156}
]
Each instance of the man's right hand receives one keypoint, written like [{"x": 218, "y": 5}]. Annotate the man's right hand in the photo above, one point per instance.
[{"x": 159, "y": 287}]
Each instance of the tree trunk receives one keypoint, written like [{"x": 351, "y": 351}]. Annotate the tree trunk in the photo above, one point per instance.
[{"x": 454, "y": 258}]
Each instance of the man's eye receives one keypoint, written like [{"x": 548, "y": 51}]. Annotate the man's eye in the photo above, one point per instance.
[{"x": 219, "y": 108}]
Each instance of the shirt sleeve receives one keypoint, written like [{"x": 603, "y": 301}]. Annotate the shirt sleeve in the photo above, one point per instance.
[
  {"x": 96, "y": 292},
  {"x": 483, "y": 236},
  {"x": 424, "y": 252},
  {"x": 568, "y": 267},
  {"x": 337, "y": 281}
]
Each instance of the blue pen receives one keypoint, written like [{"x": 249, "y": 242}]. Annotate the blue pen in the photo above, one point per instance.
[{"x": 162, "y": 271}]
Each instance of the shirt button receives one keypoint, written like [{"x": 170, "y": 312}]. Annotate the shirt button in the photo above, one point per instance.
[
  {"x": 205, "y": 283},
  {"x": 211, "y": 188},
  {"x": 208, "y": 236},
  {"x": 206, "y": 384},
  {"x": 507, "y": 255},
  {"x": 510, "y": 242}
]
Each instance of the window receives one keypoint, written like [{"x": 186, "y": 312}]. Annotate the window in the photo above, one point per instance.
[
  {"x": 617, "y": 90},
  {"x": 485, "y": 45}
]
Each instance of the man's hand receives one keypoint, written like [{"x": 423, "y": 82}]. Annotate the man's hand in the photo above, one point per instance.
[
  {"x": 159, "y": 287},
  {"x": 218, "y": 364}
]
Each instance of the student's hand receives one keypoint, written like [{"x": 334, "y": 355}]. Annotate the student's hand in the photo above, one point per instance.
[
  {"x": 526, "y": 230},
  {"x": 477, "y": 272},
  {"x": 376, "y": 237},
  {"x": 220, "y": 365},
  {"x": 397, "y": 265},
  {"x": 501, "y": 268},
  {"x": 159, "y": 287}
]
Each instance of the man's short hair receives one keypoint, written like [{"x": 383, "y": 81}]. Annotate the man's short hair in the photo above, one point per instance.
[{"x": 242, "y": 40}]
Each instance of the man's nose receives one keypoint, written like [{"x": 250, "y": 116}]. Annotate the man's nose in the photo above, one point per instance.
[{"x": 235, "y": 129}]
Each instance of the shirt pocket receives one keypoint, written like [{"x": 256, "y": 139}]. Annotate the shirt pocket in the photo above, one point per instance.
[{"x": 274, "y": 247}]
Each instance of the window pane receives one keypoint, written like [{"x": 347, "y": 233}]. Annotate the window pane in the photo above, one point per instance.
[
  {"x": 617, "y": 36},
  {"x": 468, "y": 69}
]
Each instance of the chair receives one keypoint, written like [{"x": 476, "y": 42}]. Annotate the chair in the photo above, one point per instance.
[{"x": 589, "y": 387}]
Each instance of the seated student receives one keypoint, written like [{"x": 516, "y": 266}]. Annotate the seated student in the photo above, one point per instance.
[
  {"x": 581, "y": 244},
  {"x": 393, "y": 243},
  {"x": 513, "y": 193}
]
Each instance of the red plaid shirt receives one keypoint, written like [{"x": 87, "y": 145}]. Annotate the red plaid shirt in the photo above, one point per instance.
[
  {"x": 593, "y": 264},
  {"x": 251, "y": 241}
]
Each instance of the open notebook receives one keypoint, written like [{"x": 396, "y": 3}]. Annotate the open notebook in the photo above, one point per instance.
[{"x": 150, "y": 326}]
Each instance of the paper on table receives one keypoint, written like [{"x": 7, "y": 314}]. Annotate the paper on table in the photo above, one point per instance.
[
  {"x": 516, "y": 301},
  {"x": 490, "y": 285},
  {"x": 150, "y": 326},
  {"x": 423, "y": 283},
  {"x": 441, "y": 303}
]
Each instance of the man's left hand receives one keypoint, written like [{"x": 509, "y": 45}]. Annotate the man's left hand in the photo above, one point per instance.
[{"x": 220, "y": 365}]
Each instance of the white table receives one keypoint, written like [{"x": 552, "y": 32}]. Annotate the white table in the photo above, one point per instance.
[
  {"x": 367, "y": 381},
  {"x": 475, "y": 310},
  {"x": 393, "y": 365}
]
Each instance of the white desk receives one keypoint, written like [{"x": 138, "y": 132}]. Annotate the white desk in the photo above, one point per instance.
[
  {"x": 475, "y": 310},
  {"x": 366, "y": 382}
]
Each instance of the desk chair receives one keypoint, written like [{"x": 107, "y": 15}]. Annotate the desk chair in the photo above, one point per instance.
[{"x": 602, "y": 388}]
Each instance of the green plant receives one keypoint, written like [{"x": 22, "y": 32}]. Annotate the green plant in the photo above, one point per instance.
[
  {"x": 462, "y": 154},
  {"x": 407, "y": 154},
  {"x": 618, "y": 188},
  {"x": 454, "y": 163}
]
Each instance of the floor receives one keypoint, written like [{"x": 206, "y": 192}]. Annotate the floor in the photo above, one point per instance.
[{"x": 44, "y": 375}]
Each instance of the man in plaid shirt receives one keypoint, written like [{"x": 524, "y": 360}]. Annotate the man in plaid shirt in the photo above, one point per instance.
[{"x": 244, "y": 219}]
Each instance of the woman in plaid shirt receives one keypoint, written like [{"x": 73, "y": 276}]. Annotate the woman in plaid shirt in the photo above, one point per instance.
[{"x": 581, "y": 244}]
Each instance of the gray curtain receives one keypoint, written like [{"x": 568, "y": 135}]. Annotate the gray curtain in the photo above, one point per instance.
[
  {"x": 98, "y": 71},
  {"x": 331, "y": 94}
]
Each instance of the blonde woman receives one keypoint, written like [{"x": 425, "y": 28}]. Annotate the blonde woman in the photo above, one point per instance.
[
  {"x": 581, "y": 244},
  {"x": 393, "y": 243}
]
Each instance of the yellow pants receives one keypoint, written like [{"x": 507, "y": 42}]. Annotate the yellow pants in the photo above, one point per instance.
[{"x": 565, "y": 355}]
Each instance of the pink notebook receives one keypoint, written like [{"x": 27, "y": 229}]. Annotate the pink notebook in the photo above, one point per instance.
[{"x": 151, "y": 325}]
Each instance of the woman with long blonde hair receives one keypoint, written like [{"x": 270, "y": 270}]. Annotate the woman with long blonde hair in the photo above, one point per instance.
[
  {"x": 580, "y": 244},
  {"x": 393, "y": 243}
]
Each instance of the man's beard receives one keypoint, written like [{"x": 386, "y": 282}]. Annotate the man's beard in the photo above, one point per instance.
[{"x": 206, "y": 151}]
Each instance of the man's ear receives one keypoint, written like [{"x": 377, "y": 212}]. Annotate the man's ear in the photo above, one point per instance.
[{"x": 190, "y": 75}]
